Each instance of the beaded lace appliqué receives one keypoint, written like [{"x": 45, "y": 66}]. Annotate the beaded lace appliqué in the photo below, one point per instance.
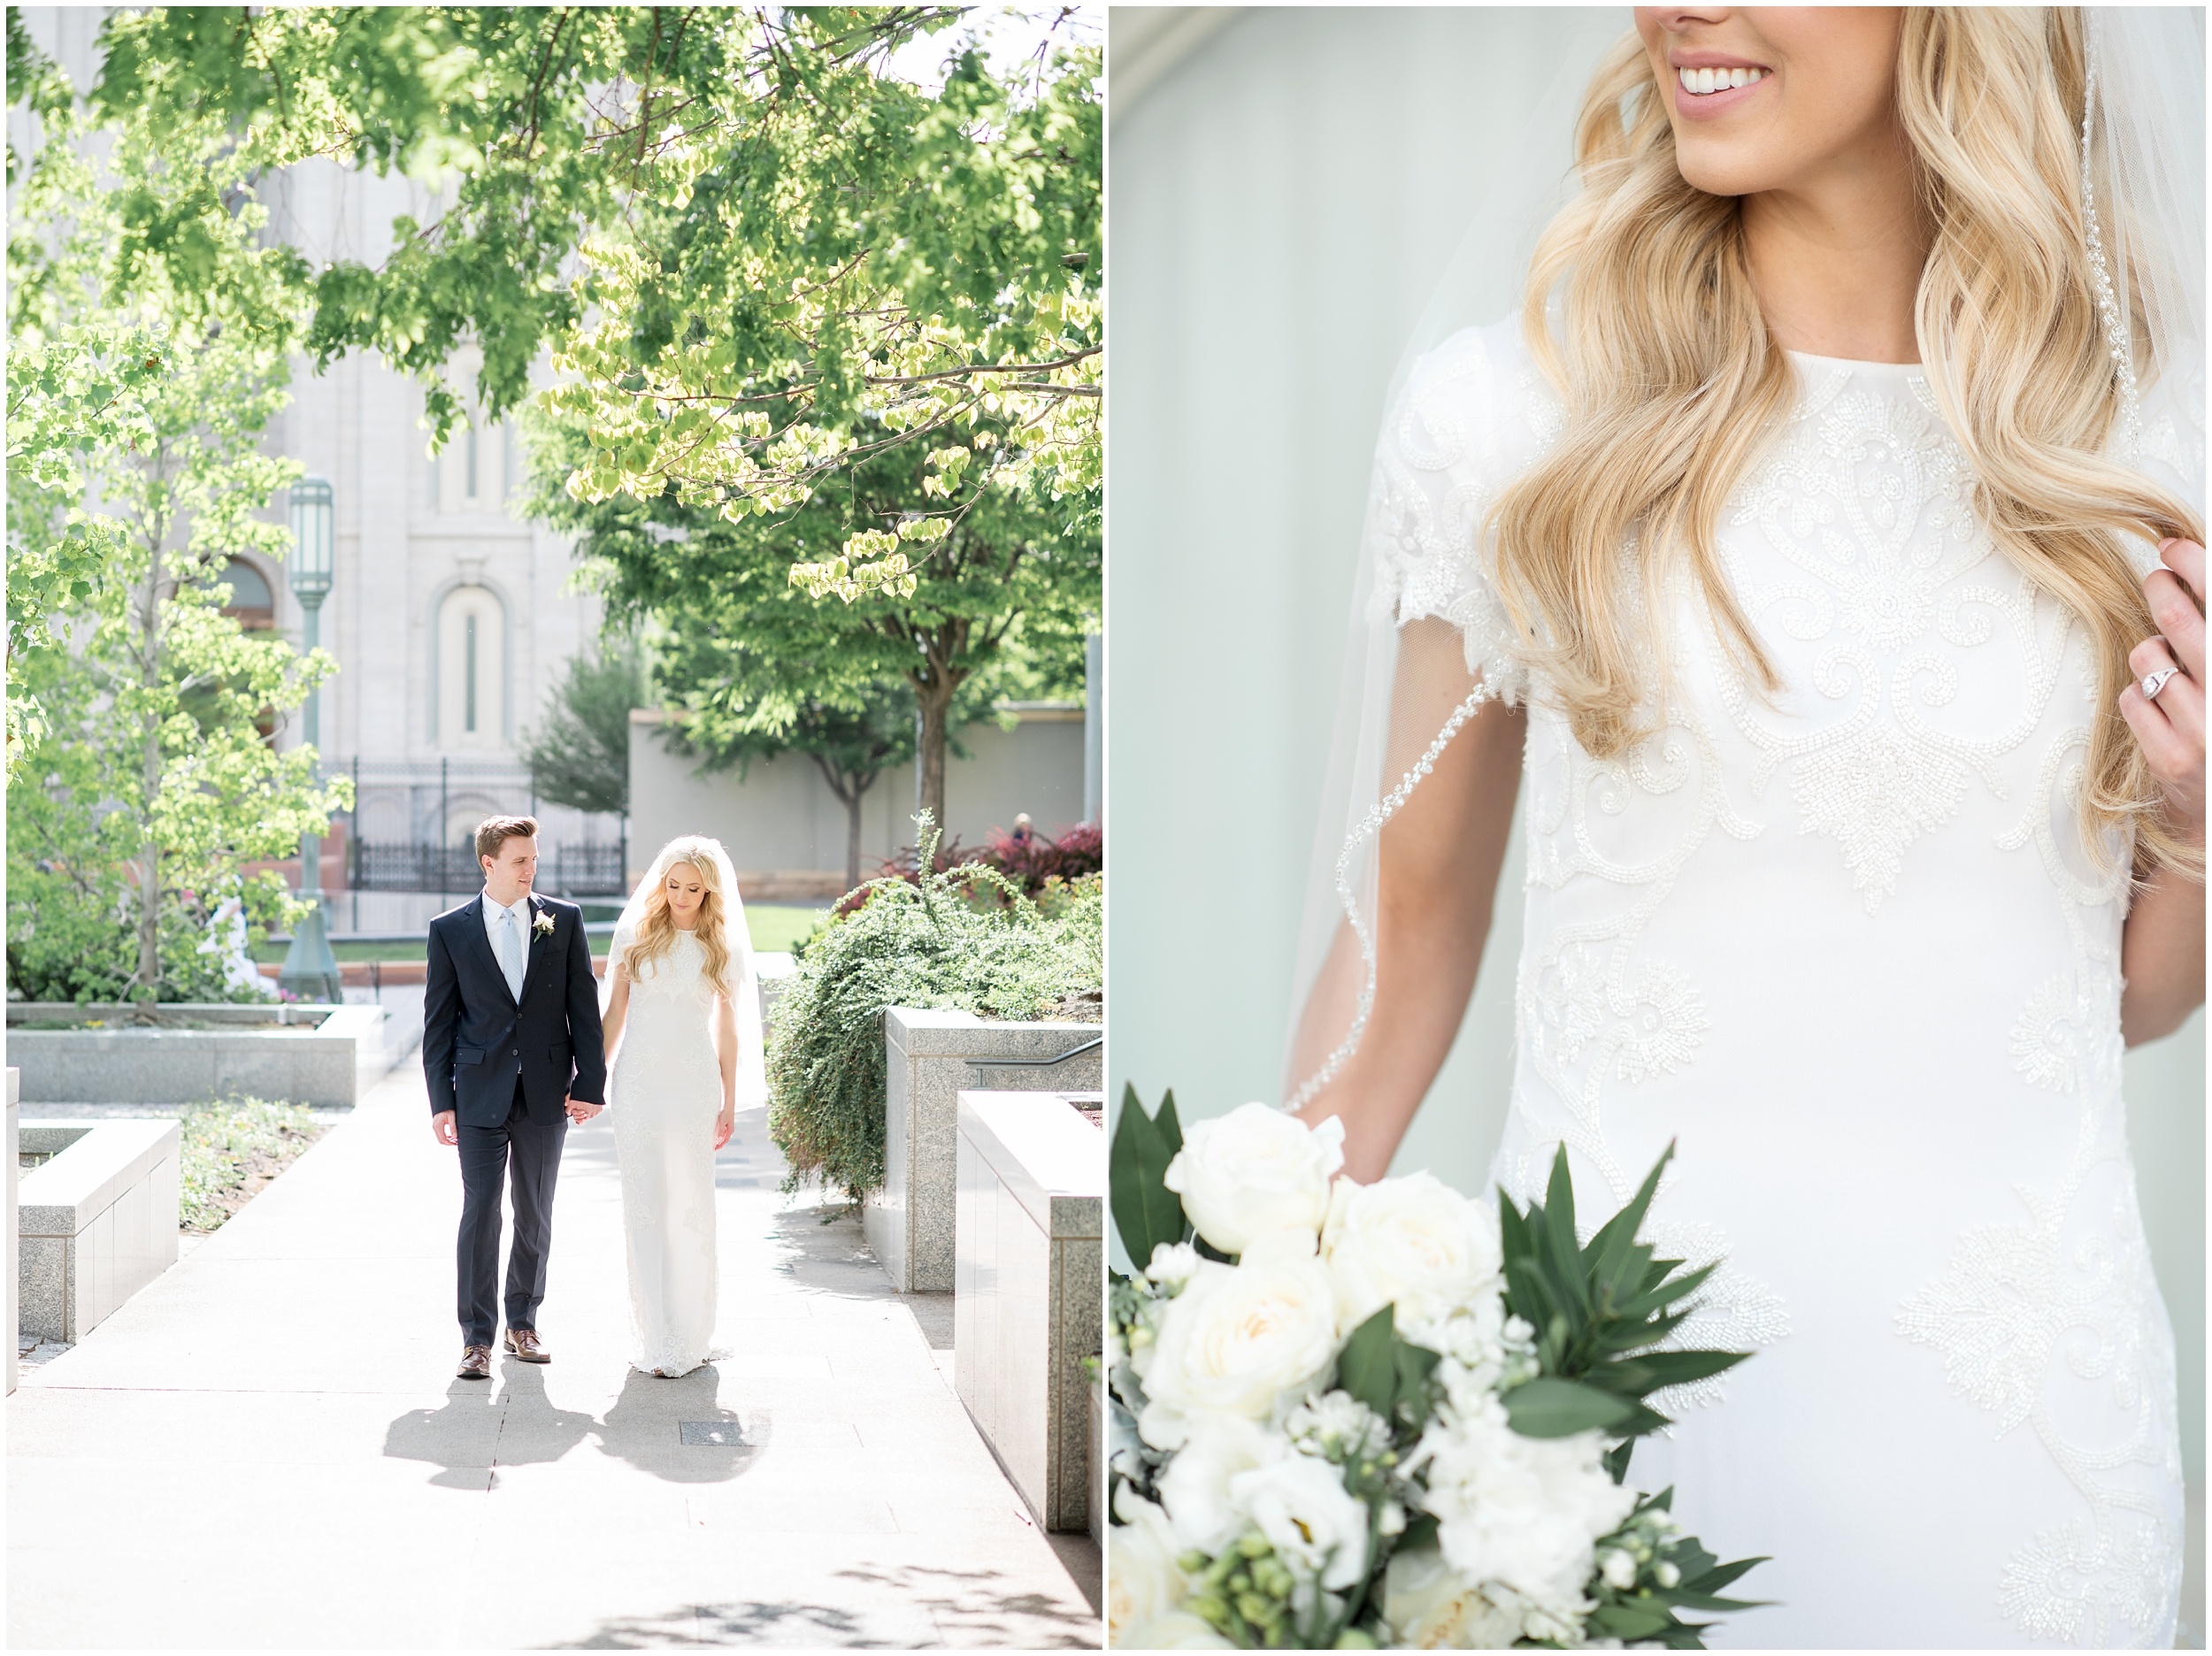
[{"x": 2070, "y": 1293}]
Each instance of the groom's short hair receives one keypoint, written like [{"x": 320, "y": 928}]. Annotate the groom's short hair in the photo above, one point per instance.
[{"x": 494, "y": 831}]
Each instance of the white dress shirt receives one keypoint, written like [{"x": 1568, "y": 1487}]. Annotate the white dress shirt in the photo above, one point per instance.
[{"x": 492, "y": 924}]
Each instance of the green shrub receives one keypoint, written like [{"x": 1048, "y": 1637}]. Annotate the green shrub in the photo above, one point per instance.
[{"x": 924, "y": 943}]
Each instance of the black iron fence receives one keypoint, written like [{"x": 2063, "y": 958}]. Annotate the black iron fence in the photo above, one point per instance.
[
  {"x": 566, "y": 870},
  {"x": 412, "y": 819}
]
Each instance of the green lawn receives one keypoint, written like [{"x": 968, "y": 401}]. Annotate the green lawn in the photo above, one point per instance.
[{"x": 774, "y": 928}]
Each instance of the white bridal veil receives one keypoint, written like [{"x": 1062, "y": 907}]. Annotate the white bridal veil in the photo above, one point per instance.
[
  {"x": 741, "y": 983},
  {"x": 1399, "y": 706}
]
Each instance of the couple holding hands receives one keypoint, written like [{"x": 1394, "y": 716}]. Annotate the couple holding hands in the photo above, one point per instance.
[{"x": 518, "y": 1040}]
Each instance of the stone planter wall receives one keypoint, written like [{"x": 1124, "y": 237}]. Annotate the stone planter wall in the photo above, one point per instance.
[
  {"x": 1027, "y": 1302},
  {"x": 96, "y": 1224},
  {"x": 929, "y": 1057},
  {"x": 313, "y": 1058},
  {"x": 15, "y": 1077}
]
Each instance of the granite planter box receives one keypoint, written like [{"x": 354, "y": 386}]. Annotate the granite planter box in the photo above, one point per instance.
[
  {"x": 302, "y": 1055},
  {"x": 1027, "y": 1302},
  {"x": 929, "y": 1057},
  {"x": 95, "y": 1223}
]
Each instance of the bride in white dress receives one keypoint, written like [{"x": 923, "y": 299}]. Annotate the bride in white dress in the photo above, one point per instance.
[
  {"x": 682, "y": 1021},
  {"x": 1818, "y": 558}
]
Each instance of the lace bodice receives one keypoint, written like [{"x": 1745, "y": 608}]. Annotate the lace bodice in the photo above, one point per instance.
[{"x": 1844, "y": 942}]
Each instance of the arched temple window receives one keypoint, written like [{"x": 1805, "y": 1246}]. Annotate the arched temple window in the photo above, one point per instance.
[
  {"x": 472, "y": 670},
  {"x": 251, "y": 603}
]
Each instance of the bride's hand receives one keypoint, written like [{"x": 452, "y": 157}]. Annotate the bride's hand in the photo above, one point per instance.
[
  {"x": 725, "y": 1124},
  {"x": 2170, "y": 726}
]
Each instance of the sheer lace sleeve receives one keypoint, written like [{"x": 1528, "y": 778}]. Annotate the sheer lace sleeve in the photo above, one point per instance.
[
  {"x": 2171, "y": 450},
  {"x": 1473, "y": 413}
]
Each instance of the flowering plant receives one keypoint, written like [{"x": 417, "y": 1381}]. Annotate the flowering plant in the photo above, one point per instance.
[
  {"x": 544, "y": 924},
  {"x": 1353, "y": 1416}
]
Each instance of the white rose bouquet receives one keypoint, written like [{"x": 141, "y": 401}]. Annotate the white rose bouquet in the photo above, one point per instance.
[{"x": 1354, "y": 1416}]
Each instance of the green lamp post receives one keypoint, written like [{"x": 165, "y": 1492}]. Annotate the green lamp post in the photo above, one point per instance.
[{"x": 311, "y": 971}]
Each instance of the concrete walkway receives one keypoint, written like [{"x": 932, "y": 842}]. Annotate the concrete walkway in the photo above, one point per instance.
[{"x": 267, "y": 1446}]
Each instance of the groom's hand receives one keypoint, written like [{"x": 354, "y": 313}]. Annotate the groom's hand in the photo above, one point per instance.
[
  {"x": 579, "y": 1111},
  {"x": 442, "y": 1130}
]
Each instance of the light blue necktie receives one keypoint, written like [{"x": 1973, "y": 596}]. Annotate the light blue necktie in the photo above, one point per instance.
[{"x": 510, "y": 953}]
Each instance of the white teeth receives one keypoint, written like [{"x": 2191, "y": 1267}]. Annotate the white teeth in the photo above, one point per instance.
[{"x": 1704, "y": 82}]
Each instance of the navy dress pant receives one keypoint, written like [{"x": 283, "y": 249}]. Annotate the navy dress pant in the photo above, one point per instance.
[{"x": 528, "y": 1154}]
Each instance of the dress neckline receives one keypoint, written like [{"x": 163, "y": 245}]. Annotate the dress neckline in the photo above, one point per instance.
[{"x": 1882, "y": 370}]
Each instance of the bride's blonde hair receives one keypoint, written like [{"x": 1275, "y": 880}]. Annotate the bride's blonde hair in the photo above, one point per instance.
[
  {"x": 657, "y": 930},
  {"x": 1673, "y": 383}
]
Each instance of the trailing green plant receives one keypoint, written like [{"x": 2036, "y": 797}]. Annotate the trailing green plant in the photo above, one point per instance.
[{"x": 918, "y": 944}]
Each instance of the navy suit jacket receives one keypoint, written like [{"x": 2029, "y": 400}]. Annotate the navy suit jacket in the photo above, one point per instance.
[{"x": 476, "y": 1040}]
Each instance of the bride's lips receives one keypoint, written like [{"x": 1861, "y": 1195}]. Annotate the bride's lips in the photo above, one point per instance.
[{"x": 1711, "y": 105}]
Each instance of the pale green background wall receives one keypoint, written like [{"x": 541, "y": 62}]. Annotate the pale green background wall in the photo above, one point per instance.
[{"x": 1282, "y": 199}]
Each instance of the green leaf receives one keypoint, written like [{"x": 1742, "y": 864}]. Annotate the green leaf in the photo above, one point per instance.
[
  {"x": 1548, "y": 1407},
  {"x": 1146, "y": 1212},
  {"x": 1616, "y": 1459},
  {"x": 1677, "y": 1368},
  {"x": 1559, "y": 1213},
  {"x": 1716, "y": 1578},
  {"x": 1368, "y": 1366},
  {"x": 1628, "y": 1622}
]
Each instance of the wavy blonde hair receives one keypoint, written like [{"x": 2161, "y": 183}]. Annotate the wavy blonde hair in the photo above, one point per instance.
[
  {"x": 1673, "y": 383},
  {"x": 657, "y": 930}
]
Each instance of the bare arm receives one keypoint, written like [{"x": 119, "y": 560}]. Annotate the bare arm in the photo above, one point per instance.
[
  {"x": 1437, "y": 881},
  {"x": 726, "y": 1050},
  {"x": 2162, "y": 951},
  {"x": 610, "y": 1021}
]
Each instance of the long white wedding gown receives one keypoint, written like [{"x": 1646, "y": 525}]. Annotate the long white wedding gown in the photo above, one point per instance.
[
  {"x": 1847, "y": 949},
  {"x": 663, "y": 1093}
]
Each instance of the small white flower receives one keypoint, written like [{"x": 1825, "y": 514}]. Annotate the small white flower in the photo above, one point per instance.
[
  {"x": 1173, "y": 1264},
  {"x": 544, "y": 924},
  {"x": 1194, "y": 1486},
  {"x": 1520, "y": 1513},
  {"x": 1337, "y": 1426},
  {"x": 1301, "y": 1504},
  {"x": 1254, "y": 1169},
  {"x": 1618, "y": 1570},
  {"x": 1669, "y": 1576}
]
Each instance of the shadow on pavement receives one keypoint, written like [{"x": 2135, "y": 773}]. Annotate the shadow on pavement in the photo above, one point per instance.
[
  {"x": 457, "y": 1437},
  {"x": 909, "y": 1606},
  {"x": 831, "y": 1258},
  {"x": 645, "y": 1427}
]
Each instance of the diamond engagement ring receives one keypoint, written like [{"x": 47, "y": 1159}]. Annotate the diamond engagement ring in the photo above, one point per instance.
[{"x": 2156, "y": 682}]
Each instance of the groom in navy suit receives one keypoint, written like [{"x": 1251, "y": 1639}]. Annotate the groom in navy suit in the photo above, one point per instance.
[{"x": 512, "y": 1052}]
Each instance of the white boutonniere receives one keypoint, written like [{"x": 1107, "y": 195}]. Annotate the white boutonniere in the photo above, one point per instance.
[{"x": 544, "y": 924}]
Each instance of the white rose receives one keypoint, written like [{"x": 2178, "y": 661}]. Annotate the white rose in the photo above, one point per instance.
[
  {"x": 1254, "y": 1169},
  {"x": 1414, "y": 1242},
  {"x": 1301, "y": 1506},
  {"x": 1178, "y": 1629},
  {"x": 1524, "y": 1513},
  {"x": 1145, "y": 1583},
  {"x": 1428, "y": 1606},
  {"x": 1194, "y": 1486},
  {"x": 1237, "y": 1337}
]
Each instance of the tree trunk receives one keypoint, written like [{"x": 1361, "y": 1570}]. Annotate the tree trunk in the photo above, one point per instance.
[
  {"x": 935, "y": 697},
  {"x": 852, "y": 833},
  {"x": 147, "y": 978}
]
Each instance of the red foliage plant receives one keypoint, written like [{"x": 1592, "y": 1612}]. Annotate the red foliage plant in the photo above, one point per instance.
[{"x": 1024, "y": 855}]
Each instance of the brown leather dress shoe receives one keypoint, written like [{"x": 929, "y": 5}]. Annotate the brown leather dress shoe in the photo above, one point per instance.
[
  {"x": 476, "y": 1363},
  {"x": 523, "y": 1343}
]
